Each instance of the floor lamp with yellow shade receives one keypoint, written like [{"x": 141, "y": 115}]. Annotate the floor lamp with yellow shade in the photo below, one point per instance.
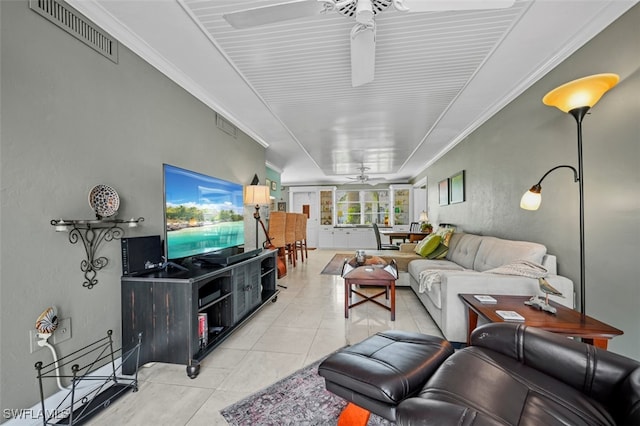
[{"x": 576, "y": 98}]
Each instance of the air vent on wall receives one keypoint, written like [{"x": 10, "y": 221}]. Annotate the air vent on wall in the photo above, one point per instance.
[
  {"x": 73, "y": 22},
  {"x": 226, "y": 126}
]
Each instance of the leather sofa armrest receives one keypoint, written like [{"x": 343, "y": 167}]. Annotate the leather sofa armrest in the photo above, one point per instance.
[
  {"x": 612, "y": 379},
  {"x": 419, "y": 411}
]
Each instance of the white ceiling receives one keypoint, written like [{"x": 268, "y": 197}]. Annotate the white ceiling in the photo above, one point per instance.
[{"x": 438, "y": 75}]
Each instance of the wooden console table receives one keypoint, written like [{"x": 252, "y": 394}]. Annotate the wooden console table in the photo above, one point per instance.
[{"x": 566, "y": 321}]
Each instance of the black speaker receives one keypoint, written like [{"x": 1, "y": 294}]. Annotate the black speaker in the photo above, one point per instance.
[{"x": 141, "y": 254}]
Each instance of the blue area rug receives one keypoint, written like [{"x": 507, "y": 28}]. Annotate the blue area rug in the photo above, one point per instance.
[{"x": 299, "y": 399}]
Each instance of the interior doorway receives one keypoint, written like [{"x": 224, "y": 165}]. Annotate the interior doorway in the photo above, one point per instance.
[
  {"x": 307, "y": 201},
  {"x": 420, "y": 202}
]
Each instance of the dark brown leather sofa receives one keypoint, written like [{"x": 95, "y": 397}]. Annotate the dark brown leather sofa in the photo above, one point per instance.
[{"x": 511, "y": 374}]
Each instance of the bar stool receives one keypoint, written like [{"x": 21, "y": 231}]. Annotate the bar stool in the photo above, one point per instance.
[
  {"x": 301, "y": 235},
  {"x": 290, "y": 237},
  {"x": 277, "y": 223}
]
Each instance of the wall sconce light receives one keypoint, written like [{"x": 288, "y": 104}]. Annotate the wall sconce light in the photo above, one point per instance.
[{"x": 576, "y": 98}]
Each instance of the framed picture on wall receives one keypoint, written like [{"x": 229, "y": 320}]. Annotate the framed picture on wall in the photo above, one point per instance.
[
  {"x": 267, "y": 182},
  {"x": 443, "y": 192},
  {"x": 282, "y": 206},
  {"x": 456, "y": 188},
  {"x": 274, "y": 185}
]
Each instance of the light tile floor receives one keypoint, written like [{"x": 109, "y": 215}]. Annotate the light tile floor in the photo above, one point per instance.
[{"x": 305, "y": 324}]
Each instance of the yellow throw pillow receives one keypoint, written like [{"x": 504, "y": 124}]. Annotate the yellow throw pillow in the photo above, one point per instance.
[
  {"x": 446, "y": 234},
  {"x": 428, "y": 244}
]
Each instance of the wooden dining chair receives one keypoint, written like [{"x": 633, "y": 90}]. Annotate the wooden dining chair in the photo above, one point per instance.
[{"x": 379, "y": 240}]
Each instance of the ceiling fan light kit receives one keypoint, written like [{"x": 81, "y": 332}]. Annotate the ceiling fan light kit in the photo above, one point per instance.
[
  {"x": 363, "y": 34},
  {"x": 362, "y": 178}
]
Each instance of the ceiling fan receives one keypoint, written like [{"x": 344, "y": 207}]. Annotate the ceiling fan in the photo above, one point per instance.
[
  {"x": 363, "y": 34},
  {"x": 363, "y": 178}
]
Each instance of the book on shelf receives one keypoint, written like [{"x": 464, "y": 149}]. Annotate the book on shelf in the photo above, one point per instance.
[
  {"x": 203, "y": 330},
  {"x": 510, "y": 315},
  {"x": 485, "y": 299}
]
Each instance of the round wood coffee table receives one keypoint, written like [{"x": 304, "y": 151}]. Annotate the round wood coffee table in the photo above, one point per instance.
[{"x": 374, "y": 272}]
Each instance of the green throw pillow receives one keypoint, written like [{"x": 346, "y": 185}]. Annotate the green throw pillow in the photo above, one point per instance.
[
  {"x": 428, "y": 244},
  {"x": 419, "y": 246},
  {"x": 439, "y": 253}
]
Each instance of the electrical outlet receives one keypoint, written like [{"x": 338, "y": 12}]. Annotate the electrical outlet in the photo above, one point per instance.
[
  {"x": 63, "y": 332},
  {"x": 33, "y": 341}
]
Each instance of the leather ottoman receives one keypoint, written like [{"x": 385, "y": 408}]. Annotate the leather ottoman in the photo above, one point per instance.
[{"x": 382, "y": 370}]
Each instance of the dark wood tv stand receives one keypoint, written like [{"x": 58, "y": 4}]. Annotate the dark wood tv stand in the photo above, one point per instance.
[{"x": 164, "y": 306}]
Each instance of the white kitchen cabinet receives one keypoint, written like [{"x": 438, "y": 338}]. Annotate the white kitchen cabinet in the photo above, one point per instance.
[{"x": 347, "y": 238}]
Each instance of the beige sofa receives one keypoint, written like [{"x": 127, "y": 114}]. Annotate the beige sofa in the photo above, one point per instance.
[{"x": 464, "y": 271}]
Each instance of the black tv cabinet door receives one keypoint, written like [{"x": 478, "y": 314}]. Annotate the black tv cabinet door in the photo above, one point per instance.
[{"x": 162, "y": 311}]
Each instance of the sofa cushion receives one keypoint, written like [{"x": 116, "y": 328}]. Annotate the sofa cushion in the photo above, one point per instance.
[
  {"x": 418, "y": 265},
  {"x": 463, "y": 249},
  {"x": 494, "y": 252},
  {"x": 434, "y": 292}
]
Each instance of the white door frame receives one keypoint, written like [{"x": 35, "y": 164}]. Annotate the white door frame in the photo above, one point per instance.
[{"x": 420, "y": 198}]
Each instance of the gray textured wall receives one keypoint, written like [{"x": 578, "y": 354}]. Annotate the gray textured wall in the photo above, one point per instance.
[
  {"x": 72, "y": 119},
  {"x": 511, "y": 152}
]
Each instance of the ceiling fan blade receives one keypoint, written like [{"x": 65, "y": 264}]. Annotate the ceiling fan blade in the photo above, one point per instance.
[
  {"x": 274, "y": 13},
  {"x": 363, "y": 54},
  {"x": 443, "y": 5}
]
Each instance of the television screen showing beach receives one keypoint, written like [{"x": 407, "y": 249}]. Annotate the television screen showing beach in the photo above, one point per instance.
[{"x": 202, "y": 214}]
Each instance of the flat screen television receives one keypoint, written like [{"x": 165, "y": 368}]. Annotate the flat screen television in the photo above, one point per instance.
[{"x": 203, "y": 214}]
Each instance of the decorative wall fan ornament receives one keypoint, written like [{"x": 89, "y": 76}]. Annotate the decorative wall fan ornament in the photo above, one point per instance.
[
  {"x": 363, "y": 34},
  {"x": 47, "y": 322}
]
